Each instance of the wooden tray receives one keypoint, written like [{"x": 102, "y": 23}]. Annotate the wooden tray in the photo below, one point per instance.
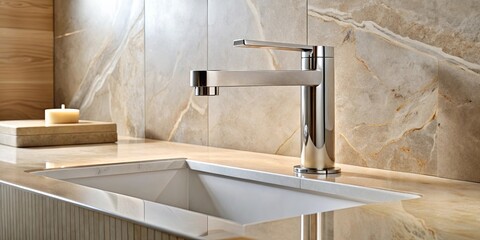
[{"x": 34, "y": 133}]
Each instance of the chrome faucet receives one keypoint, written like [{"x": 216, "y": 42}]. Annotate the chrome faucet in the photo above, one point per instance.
[{"x": 317, "y": 102}]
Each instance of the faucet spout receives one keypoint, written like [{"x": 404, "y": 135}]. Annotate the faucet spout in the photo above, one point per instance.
[{"x": 207, "y": 79}]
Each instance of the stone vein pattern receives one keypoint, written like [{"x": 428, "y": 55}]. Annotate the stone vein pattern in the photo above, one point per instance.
[
  {"x": 453, "y": 28},
  {"x": 99, "y": 61},
  {"x": 458, "y": 123},
  {"x": 401, "y": 103},
  {"x": 176, "y": 42},
  {"x": 263, "y": 119}
]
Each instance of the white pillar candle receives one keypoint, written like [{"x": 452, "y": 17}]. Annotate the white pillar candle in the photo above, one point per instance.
[{"x": 63, "y": 115}]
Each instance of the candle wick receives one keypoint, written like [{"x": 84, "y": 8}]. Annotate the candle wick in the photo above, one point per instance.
[{"x": 63, "y": 106}]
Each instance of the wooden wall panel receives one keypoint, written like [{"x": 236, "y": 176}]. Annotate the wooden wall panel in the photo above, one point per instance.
[
  {"x": 27, "y": 14},
  {"x": 26, "y": 58},
  {"x": 26, "y": 215}
]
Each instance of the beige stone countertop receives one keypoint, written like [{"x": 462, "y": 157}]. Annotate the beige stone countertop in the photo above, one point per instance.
[{"x": 448, "y": 209}]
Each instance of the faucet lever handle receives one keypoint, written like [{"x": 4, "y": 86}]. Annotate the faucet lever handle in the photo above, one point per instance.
[
  {"x": 272, "y": 45},
  {"x": 307, "y": 50}
]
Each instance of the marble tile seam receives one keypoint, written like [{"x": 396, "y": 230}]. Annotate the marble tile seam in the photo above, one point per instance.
[{"x": 370, "y": 26}]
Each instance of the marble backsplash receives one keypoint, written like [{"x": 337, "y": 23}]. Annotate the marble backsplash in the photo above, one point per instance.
[
  {"x": 99, "y": 61},
  {"x": 261, "y": 119},
  {"x": 402, "y": 102},
  {"x": 175, "y": 43},
  {"x": 407, "y": 75}
]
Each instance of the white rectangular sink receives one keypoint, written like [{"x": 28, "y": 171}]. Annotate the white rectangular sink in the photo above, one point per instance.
[{"x": 188, "y": 191}]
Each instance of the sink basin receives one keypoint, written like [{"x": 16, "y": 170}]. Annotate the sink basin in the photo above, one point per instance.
[{"x": 180, "y": 193}]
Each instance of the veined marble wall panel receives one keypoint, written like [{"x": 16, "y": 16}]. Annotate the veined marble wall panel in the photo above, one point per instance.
[
  {"x": 403, "y": 94},
  {"x": 458, "y": 123},
  {"x": 263, "y": 119},
  {"x": 176, "y": 42},
  {"x": 451, "y": 26},
  {"x": 406, "y": 75},
  {"x": 385, "y": 98},
  {"x": 99, "y": 61}
]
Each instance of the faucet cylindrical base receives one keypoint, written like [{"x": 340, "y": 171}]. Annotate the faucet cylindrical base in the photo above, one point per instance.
[
  {"x": 317, "y": 148},
  {"x": 300, "y": 169}
]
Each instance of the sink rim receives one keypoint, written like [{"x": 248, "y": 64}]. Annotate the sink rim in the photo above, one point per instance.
[
  {"x": 293, "y": 181},
  {"x": 316, "y": 185}
]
